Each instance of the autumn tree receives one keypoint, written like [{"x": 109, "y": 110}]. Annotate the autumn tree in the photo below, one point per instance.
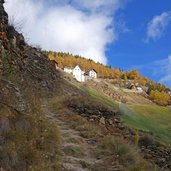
[
  {"x": 124, "y": 77},
  {"x": 133, "y": 74},
  {"x": 161, "y": 98},
  {"x": 116, "y": 73}
]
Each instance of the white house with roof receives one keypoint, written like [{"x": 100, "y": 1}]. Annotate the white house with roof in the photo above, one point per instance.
[
  {"x": 76, "y": 72},
  {"x": 91, "y": 74},
  {"x": 80, "y": 75}
]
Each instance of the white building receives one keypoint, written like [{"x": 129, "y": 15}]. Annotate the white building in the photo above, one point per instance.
[
  {"x": 68, "y": 70},
  {"x": 80, "y": 75},
  {"x": 91, "y": 74},
  {"x": 76, "y": 72}
]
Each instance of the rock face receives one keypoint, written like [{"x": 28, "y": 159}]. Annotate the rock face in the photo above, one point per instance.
[
  {"x": 26, "y": 75},
  {"x": 3, "y": 17},
  {"x": 11, "y": 97},
  {"x": 23, "y": 69},
  {"x": 22, "y": 63},
  {"x": 4, "y": 126}
]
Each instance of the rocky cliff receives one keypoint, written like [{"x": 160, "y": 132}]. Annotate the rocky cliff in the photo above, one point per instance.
[
  {"x": 26, "y": 75},
  {"x": 25, "y": 66}
]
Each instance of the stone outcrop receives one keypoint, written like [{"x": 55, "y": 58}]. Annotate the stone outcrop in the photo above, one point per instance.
[
  {"x": 157, "y": 153},
  {"x": 91, "y": 110},
  {"x": 3, "y": 17},
  {"x": 11, "y": 97},
  {"x": 23, "y": 64}
]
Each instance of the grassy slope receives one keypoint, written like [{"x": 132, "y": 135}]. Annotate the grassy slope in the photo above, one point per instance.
[
  {"x": 142, "y": 114},
  {"x": 107, "y": 146},
  {"x": 153, "y": 119},
  {"x": 92, "y": 93},
  {"x": 112, "y": 151},
  {"x": 102, "y": 98}
]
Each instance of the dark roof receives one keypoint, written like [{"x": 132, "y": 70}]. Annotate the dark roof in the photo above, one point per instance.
[
  {"x": 94, "y": 70},
  {"x": 86, "y": 73}
]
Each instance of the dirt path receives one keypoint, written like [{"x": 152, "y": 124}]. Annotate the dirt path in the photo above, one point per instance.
[{"x": 76, "y": 150}]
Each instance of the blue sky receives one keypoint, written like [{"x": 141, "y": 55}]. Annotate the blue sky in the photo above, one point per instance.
[
  {"x": 133, "y": 50},
  {"x": 121, "y": 33}
]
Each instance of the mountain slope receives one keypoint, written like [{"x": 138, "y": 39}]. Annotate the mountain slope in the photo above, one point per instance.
[{"x": 41, "y": 107}]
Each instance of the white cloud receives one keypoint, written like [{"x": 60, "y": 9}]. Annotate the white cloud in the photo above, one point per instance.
[
  {"x": 75, "y": 26},
  {"x": 159, "y": 69},
  {"x": 167, "y": 71},
  {"x": 158, "y": 25},
  {"x": 102, "y": 6}
]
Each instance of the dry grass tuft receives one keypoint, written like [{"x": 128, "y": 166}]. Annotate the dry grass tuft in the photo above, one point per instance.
[
  {"x": 75, "y": 151},
  {"x": 86, "y": 129},
  {"x": 111, "y": 145},
  {"x": 31, "y": 142}
]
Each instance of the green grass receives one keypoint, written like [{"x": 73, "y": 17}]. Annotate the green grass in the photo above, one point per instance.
[
  {"x": 99, "y": 96},
  {"x": 143, "y": 116},
  {"x": 153, "y": 119}
]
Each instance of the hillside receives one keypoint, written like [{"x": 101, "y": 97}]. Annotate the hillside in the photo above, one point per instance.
[
  {"x": 139, "y": 112},
  {"x": 69, "y": 60},
  {"x": 147, "y": 129},
  {"x": 50, "y": 122},
  {"x": 132, "y": 79},
  {"x": 141, "y": 121}
]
